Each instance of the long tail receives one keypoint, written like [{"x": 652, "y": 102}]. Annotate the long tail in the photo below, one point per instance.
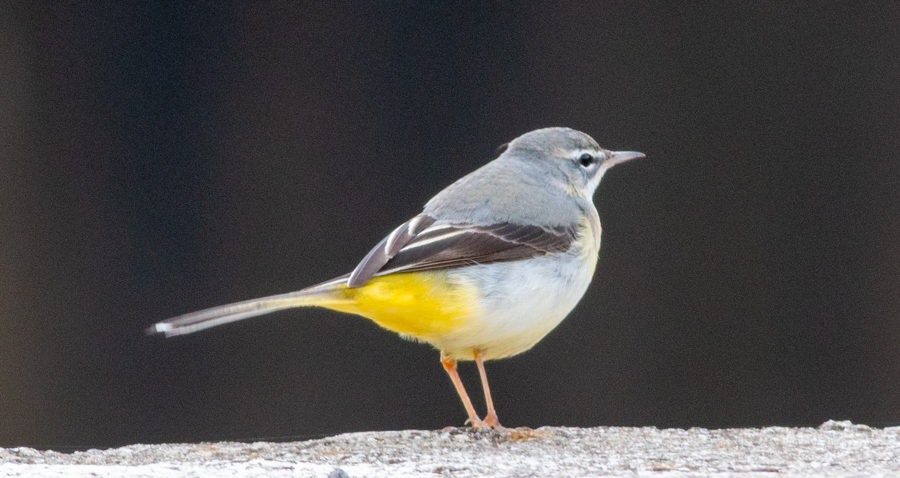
[{"x": 320, "y": 294}]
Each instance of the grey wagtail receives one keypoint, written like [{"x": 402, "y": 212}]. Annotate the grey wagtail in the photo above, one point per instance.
[{"x": 491, "y": 266}]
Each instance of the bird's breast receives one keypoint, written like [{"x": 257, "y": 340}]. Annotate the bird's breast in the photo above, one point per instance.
[{"x": 518, "y": 303}]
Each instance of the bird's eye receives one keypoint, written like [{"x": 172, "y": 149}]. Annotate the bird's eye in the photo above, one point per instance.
[{"x": 586, "y": 160}]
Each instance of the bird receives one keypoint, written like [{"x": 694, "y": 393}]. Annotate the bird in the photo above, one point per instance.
[{"x": 494, "y": 262}]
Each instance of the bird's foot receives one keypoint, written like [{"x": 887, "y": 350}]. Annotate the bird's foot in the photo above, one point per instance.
[
  {"x": 489, "y": 421},
  {"x": 476, "y": 423},
  {"x": 492, "y": 421}
]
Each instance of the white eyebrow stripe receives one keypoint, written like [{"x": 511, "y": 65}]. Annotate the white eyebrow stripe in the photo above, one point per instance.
[
  {"x": 432, "y": 240},
  {"x": 597, "y": 154}
]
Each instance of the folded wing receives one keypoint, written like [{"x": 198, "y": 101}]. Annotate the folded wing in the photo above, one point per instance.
[{"x": 420, "y": 244}]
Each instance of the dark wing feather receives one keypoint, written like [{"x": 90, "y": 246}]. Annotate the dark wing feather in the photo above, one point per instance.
[
  {"x": 388, "y": 248},
  {"x": 469, "y": 245},
  {"x": 457, "y": 245}
]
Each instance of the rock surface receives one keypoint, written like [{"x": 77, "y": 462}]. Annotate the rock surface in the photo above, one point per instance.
[{"x": 832, "y": 449}]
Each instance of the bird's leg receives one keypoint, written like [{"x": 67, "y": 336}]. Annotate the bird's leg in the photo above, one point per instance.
[
  {"x": 491, "y": 418},
  {"x": 450, "y": 366}
]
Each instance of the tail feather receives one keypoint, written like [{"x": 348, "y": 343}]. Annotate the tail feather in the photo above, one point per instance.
[{"x": 223, "y": 314}]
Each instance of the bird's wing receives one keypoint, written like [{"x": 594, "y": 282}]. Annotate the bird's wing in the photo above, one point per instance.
[
  {"x": 417, "y": 245},
  {"x": 422, "y": 244}
]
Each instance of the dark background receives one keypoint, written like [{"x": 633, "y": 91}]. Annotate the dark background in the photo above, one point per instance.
[{"x": 160, "y": 158}]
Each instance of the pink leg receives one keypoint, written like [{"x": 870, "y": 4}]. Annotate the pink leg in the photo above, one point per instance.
[
  {"x": 491, "y": 418},
  {"x": 450, "y": 367}
]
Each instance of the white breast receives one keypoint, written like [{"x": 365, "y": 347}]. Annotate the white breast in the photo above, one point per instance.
[{"x": 521, "y": 302}]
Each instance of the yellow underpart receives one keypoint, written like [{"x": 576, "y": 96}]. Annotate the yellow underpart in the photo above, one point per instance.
[{"x": 419, "y": 304}]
